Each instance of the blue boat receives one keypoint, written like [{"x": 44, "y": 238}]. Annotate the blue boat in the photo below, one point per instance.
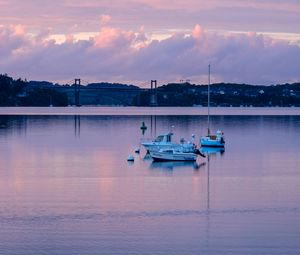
[{"x": 216, "y": 140}]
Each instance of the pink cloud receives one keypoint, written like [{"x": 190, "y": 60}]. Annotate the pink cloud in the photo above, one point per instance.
[
  {"x": 121, "y": 55},
  {"x": 197, "y": 32},
  {"x": 12, "y": 38},
  {"x": 104, "y": 19},
  {"x": 110, "y": 37}
]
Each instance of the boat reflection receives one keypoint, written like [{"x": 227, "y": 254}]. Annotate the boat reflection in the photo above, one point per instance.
[
  {"x": 147, "y": 157},
  {"x": 172, "y": 165},
  {"x": 211, "y": 150}
]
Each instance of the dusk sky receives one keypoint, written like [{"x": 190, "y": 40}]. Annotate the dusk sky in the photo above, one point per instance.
[{"x": 134, "y": 41}]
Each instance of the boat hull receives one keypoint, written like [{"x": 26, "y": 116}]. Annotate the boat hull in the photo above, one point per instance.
[
  {"x": 212, "y": 145},
  {"x": 166, "y": 156},
  {"x": 155, "y": 147}
]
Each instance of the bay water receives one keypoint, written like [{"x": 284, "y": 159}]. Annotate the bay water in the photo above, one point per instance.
[{"x": 66, "y": 186}]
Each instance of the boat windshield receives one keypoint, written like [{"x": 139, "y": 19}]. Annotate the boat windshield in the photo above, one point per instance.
[
  {"x": 159, "y": 138},
  {"x": 168, "y": 138}
]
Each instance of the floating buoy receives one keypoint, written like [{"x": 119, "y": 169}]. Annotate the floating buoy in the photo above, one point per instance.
[
  {"x": 137, "y": 150},
  {"x": 130, "y": 158},
  {"x": 143, "y": 128}
]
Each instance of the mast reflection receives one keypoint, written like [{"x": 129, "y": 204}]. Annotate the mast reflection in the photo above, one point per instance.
[{"x": 77, "y": 125}]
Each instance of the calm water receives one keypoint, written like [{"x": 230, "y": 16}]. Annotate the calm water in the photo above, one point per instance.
[{"x": 66, "y": 187}]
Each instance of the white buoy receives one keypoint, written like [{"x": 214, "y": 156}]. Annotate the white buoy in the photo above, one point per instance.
[
  {"x": 130, "y": 158},
  {"x": 137, "y": 150}
]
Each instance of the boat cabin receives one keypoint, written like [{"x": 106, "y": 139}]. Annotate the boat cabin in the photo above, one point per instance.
[{"x": 164, "y": 138}]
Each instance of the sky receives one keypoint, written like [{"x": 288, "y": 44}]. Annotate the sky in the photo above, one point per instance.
[{"x": 135, "y": 41}]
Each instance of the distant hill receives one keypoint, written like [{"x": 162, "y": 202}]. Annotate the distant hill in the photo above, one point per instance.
[
  {"x": 40, "y": 84},
  {"x": 106, "y": 85},
  {"x": 223, "y": 94}
]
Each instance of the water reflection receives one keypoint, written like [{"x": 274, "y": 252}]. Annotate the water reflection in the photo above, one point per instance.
[
  {"x": 77, "y": 125},
  {"x": 147, "y": 157},
  {"x": 172, "y": 165},
  {"x": 70, "y": 177},
  {"x": 153, "y": 125},
  {"x": 208, "y": 182},
  {"x": 211, "y": 150},
  {"x": 13, "y": 124},
  {"x": 207, "y": 228}
]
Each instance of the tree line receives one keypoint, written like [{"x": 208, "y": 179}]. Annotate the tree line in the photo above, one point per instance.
[
  {"x": 15, "y": 93},
  {"x": 23, "y": 93}
]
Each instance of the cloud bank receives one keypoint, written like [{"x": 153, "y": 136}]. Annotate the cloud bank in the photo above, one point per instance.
[{"x": 120, "y": 55}]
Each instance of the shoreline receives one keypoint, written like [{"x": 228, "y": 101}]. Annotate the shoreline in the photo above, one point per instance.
[{"x": 158, "y": 111}]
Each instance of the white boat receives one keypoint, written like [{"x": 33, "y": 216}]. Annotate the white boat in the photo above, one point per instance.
[
  {"x": 172, "y": 155},
  {"x": 216, "y": 140},
  {"x": 162, "y": 141}
]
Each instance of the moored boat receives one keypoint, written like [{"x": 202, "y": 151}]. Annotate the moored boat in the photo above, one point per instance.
[
  {"x": 209, "y": 140},
  {"x": 162, "y": 141},
  {"x": 173, "y": 155},
  {"x": 213, "y": 140}
]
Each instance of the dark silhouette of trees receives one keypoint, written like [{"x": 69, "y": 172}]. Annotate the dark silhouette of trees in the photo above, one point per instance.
[
  {"x": 15, "y": 93},
  {"x": 9, "y": 90},
  {"x": 42, "y": 93},
  {"x": 45, "y": 97},
  {"x": 222, "y": 94}
]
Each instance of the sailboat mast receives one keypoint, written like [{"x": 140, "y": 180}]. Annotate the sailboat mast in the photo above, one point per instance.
[{"x": 208, "y": 102}]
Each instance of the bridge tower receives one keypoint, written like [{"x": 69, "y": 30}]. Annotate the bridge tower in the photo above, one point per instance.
[
  {"x": 153, "y": 93},
  {"x": 77, "y": 92}
]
